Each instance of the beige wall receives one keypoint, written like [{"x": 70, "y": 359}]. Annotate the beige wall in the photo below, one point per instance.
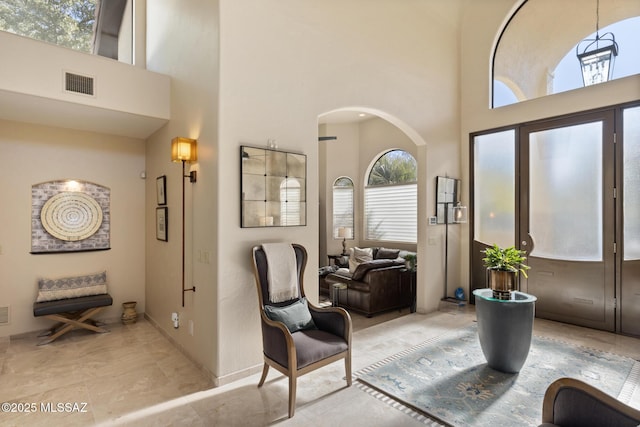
[
  {"x": 342, "y": 159},
  {"x": 33, "y": 154},
  {"x": 283, "y": 63},
  {"x": 190, "y": 56}
]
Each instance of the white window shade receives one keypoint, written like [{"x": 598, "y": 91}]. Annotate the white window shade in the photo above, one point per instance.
[
  {"x": 342, "y": 209},
  {"x": 391, "y": 213}
]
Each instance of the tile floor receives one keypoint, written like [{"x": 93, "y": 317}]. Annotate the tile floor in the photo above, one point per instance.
[{"x": 134, "y": 377}]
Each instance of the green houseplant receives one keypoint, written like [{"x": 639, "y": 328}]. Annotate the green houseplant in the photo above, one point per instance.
[
  {"x": 410, "y": 261},
  {"x": 503, "y": 267}
]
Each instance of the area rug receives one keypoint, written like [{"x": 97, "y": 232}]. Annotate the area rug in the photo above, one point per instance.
[{"x": 448, "y": 380}]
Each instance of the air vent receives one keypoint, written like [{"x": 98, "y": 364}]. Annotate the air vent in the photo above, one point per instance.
[
  {"x": 77, "y": 83},
  {"x": 4, "y": 315}
]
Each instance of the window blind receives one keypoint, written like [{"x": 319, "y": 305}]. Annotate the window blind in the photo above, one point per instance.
[
  {"x": 342, "y": 209},
  {"x": 391, "y": 213}
]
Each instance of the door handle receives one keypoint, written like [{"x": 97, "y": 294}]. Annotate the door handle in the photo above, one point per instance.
[{"x": 525, "y": 243}]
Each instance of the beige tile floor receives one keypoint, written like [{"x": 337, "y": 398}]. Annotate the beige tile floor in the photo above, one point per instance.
[{"x": 133, "y": 376}]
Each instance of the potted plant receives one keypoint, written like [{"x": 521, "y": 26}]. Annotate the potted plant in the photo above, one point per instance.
[
  {"x": 410, "y": 261},
  {"x": 503, "y": 266}
]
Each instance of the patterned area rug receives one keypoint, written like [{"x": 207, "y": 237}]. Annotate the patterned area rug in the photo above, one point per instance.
[{"x": 447, "y": 379}]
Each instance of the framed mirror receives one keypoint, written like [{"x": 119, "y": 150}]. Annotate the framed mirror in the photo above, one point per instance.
[
  {"x": 447, "y": 195},
  {"x": 274, "y": 186}
]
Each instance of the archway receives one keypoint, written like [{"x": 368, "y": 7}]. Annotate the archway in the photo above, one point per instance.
[{"x": 349, "y": 139}]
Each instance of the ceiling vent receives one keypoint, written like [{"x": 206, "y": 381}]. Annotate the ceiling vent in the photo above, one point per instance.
[
  {"x": 77, "y": 83},
  {"x": 4, "y": 315}
]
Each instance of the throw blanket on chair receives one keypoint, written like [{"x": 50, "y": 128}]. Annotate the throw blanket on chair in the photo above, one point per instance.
[{"x": 282, "y": 271}]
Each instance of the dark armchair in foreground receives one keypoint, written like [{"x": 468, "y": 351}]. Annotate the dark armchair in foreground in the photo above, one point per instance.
[
  {"x": 321, "y": 338},
  {"x": 569, "y": 402}
]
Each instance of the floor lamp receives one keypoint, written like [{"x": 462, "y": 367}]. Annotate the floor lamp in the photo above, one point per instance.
[
  {"x": 184, "y": 150},
  {"x": 459, "y": 214}
]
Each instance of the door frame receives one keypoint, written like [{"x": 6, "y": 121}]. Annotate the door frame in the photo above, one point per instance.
[{"x": 477, "y": 272}]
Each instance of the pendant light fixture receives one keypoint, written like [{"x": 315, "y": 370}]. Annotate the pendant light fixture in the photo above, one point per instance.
[{"x": 598, "y": 56}]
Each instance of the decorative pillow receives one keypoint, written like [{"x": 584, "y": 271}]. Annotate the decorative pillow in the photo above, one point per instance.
[
  {"x": 296, "y": 316},
  {"x": 384, "y": 253},
  {"x": 72, "y": 287},
  {"x": 359, "y": 255}
]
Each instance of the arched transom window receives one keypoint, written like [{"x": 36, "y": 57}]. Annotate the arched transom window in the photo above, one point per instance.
[{"x": 538, "y": 51}]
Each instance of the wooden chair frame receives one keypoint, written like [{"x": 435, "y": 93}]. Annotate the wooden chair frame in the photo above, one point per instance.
[{"x": 549, "y": 402}]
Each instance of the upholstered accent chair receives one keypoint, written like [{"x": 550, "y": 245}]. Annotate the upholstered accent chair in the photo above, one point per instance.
[
  {"x": 324, "y": 340},
  {"x": 569, "y": 402}
]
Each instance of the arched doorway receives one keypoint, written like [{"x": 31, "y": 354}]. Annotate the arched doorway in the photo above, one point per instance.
[{"x": 350, "y": 140}]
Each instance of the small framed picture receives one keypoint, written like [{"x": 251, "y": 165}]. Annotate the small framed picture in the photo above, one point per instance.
[
  {"x": 162, "y": 224},
  {"x": 161, "y": 189}
]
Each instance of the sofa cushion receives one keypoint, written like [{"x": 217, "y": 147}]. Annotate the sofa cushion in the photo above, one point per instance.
[
  {"x": 72, "y": 287},
  {"x": 362, "y": 269},
  {"x": 385, "y": 253},
  {"x": 296, "y": 316}
]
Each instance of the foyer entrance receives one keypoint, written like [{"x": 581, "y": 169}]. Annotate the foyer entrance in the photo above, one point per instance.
[{"x": 565, "y": 191}]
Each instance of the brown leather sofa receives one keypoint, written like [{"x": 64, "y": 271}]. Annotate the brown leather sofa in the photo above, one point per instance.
[{"x": 374, "y": 286}]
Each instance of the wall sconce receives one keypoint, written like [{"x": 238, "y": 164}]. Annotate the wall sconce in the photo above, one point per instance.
[
  {"x": 184, "y": 150},
  {"x": 459, "y": 214},
  {"x": 345, "y": 233}
]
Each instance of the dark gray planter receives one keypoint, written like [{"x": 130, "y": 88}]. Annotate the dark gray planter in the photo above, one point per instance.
[{"x": 505, "y": 328}]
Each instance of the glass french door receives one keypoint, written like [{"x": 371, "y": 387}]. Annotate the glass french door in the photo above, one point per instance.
[
  {"x": 566, "y": 191},
  {"x": 629, "y": 301},
  {"x": 567, "y": 218}
]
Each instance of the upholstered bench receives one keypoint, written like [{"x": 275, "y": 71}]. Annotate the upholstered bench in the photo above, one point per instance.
[{"x": 71, "y": 302}]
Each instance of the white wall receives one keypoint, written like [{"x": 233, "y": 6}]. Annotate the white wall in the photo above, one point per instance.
[
  {"x": 35, "y": 154},
  {"x": 37, "y": 69},
  {"x": 182, "y": 42},
  {"x": 341, "y": 159},
  {"x": 283, "y": 63}
]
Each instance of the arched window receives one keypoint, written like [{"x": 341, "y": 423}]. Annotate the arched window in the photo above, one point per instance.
[
  {"x": 529, "y": 64},
  {"x": 343, "y": 208},
  {"x": 391, "y": 198}
]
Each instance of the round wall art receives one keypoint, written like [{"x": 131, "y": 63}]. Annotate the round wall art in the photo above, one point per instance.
[{"x": 71, "y": 216}]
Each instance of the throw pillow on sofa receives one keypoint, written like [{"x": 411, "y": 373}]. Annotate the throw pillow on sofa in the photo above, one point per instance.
[
  {"x": 385, "y": 253},
  {"x": 359, "y": 255}
]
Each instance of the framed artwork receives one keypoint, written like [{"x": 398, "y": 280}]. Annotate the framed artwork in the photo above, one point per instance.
[
  {"x": 274, "y": 187},
  {"x": 69, "y": 216},
  {"x": 161, "y": 190},
  {"x": 162, "y": 224}
]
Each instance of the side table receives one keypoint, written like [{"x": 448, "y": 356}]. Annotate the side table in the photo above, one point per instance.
[
  {"x": 505, "y": 328},
  {"x": 335, "y": 293}
]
